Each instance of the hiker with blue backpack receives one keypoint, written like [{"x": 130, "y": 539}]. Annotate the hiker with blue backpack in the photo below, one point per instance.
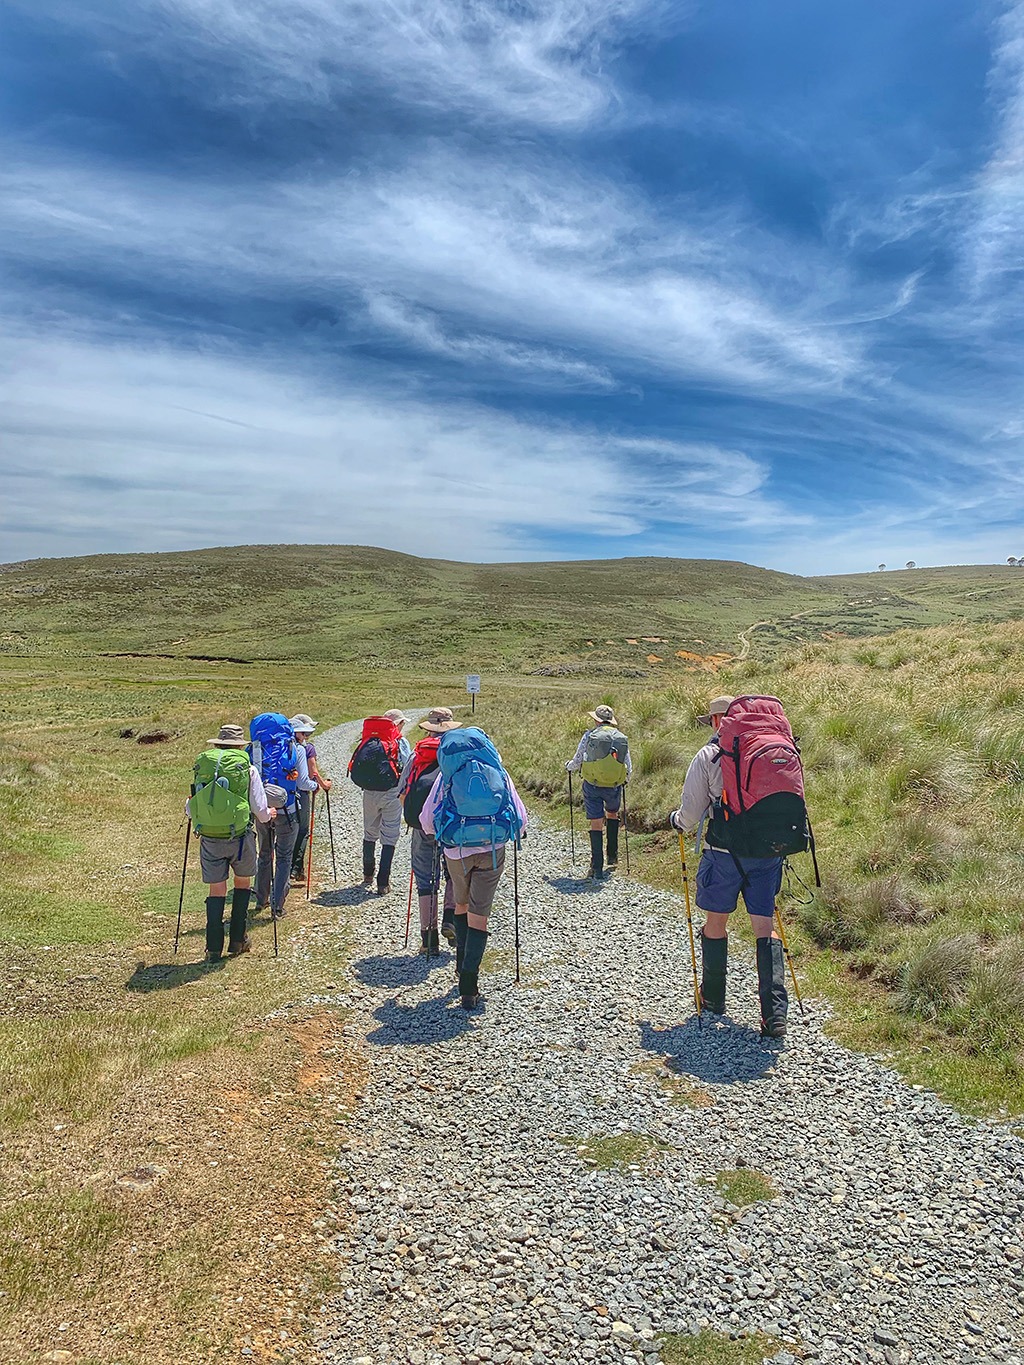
[
  {"x": 604, "y": 762},
  {"x": 376, "y": 768},
  {"x": 473, "y": 811},
  {"x": 281, "y": 763},
  {"x": 429, "y": 868},
  {"x": 227, "y": 796},
  {"x": 747, "y": 784}
]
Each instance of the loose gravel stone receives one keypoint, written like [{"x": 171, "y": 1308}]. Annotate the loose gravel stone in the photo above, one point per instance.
[{"x": 478, "y": 1234}]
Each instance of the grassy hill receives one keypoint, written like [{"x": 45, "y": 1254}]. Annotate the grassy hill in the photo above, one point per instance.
[{"x": 377, "y": 608}]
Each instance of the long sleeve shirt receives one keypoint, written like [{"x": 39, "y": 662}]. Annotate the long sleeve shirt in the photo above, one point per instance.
[
  {"x": 702, "y": 787},
  {"x": 576, "y": 762},
  {"x": 432, "y": 808}
]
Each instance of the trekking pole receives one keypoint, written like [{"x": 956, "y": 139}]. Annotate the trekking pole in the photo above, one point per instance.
[
  {"x": 309, "y": 844},
  {"x": 181, "y": 897},
  {"x": 330, "y": 831},
  {"x": 625, "y": 826},
  {"x": 273, "y": 917},
  {"x": 789, "y": 960},
  {"x": 572, "y": 825},
  {"x": 408, "y": 910},
  {"x": 515, "y": 899},
  {"x": 689, "y": 924}
]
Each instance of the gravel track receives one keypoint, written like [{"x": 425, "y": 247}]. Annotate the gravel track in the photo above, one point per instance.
[{"x": 479, "y": 1234}]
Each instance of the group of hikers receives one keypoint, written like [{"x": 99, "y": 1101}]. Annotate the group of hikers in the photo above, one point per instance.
[{"x": 743, "y": 797}]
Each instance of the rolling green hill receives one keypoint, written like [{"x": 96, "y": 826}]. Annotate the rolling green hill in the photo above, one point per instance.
[{"x": 352, "y": 604}]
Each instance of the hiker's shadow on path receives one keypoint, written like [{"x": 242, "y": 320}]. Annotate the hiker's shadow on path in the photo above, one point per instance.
[
  {"x": 732, "y": 1055},
  {"x": 574, "y": 886},
  {"x": 344, "y": 895},
  {"x": 421, "y": 1025},
  {"x": 165, "y": 976},
  {"x": 404, "y": 969}
]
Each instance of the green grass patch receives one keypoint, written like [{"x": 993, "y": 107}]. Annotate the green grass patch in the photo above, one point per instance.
[
  {"x": 712, "y": 1348},
  {"x": 744, "y": 1186},
  {"x": 618, "y": 1152}
]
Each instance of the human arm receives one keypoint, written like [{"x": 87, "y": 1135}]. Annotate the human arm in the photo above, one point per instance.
[
  {"x": 576, "y": 762},
  {"x": 403, "y": 779},
  {"x": 305, "y": 783},
  {"x": 521, "y": 811},
  {"x": 404, "y": 750},
  {"x": 431, "y": 806},
  {"x": 698, "y": 790},
  {"x": 263, "y": 812},
  {"x": 324, "y": 783}
]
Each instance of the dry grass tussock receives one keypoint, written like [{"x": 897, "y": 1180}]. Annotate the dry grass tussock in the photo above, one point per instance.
[{"x": 914, "y": 750}]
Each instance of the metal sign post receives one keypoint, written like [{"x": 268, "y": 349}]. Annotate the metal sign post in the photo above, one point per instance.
[{"x": 473, "y": 687}]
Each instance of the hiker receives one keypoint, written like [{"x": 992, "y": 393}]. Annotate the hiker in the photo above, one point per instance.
[
  {"x": 473, "y": 811},
  {"x": 227, "y": 794},
  {"x": 724, "y": 790},
  {"x": 303, "y": 727},
  {"x": 603, "y": 759},
  {"x": 283, "y": 768},
  {"x": 376, "y": 767},
  {"x": 428, "y": 866}
]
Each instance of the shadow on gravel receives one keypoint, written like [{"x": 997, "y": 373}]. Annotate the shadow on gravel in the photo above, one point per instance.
[
  {"x": 405, "y": 969},
  {"x": 575, "y": 886},
  {"x": 344, "y": 895},
  {"x": 421, "y": 1025},
  {"x": 726, "y": 1054},
  {"x": 165, "y": 976}
]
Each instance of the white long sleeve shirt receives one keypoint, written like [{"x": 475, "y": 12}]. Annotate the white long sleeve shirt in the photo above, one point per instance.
[{"x": 701, "y": 788}]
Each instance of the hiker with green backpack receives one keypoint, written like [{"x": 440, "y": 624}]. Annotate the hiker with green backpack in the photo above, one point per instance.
[
  {"x": 603, "y": 760},
  {"x": 227, "y": 795}
]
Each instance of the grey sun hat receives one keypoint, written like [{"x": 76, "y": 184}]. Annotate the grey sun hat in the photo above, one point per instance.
[
  {"x": 604, "y": 715},
  {"x": 397, "y": 718},
  {"x": 717, "y": 708},
  {"x": 302, "y": 724},
  {"x": 276, "y": 796},
  {"x": 230, "y": 737},
  {"x": 438, "y": 720}
]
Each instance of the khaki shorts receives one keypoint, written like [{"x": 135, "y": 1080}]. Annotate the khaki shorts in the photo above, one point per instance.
[
  {"x": 476, "y": 878},
  {"x": 218, "y": 857}
]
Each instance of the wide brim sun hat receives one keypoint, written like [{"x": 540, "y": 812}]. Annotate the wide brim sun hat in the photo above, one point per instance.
[
  {"x": 604, "y": 715},
  {"x": 397, "y": 717},
  {"x": 302, "y": 724},
  {"x": 717, "y": 708},
  {"x": 438, "y": 720},
  {"x": 230, "y": 737}
]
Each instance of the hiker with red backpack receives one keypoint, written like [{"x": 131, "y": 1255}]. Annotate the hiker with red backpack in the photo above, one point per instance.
[
  {"x": 227, "y": 796},
  {"x": 473, "y": 811},
  {"x": 428, "y": 866},
  {"x": 281, "y": 763},
  {"x": 747, "y": 782},
  {"x": 376, "y": 768},
  {"x": 603, "y": 759}
]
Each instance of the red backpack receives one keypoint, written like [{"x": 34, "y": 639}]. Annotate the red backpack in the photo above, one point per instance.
[
  {"x": 762, "y": 813},
  {"x": 374, "y": 764}
]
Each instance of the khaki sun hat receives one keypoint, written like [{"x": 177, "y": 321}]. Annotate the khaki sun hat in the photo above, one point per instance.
[
  {"x": 230, "y": 737},
  {"x": 439, "y": 719},
  {"x": 302, "y": 724},
  {"x": 717, "y": 708},
  {"x": 604, "y": 715},
  {"x": 397, "y": 718}
]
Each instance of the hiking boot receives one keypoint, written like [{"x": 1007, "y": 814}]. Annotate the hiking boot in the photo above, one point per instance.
[
  {"x": 771, "y": 987},
  {"x": 433, "y": 946},
  {"x": 714, "y": 954},
  {"x": 383, "y": 888},
  {"x": 424, "y": 942},
  {"x": 243, "y": 946},
  {"x": 277, "y": 914},
  {"x": 212, "y": 957},
  {"x": 298, "y": 878},
  {"x": 448, "y": 932},
  {"x": 470, "y": 1002}
]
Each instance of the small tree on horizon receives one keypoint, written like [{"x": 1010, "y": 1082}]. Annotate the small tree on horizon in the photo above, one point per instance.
[
  {"x": 1011, "y": 560},
  {"x": 911, "y": 564},
  {"x": 881, "y": 566}
]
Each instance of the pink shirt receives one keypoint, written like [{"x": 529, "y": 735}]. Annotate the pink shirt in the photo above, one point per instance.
[{"x": 432, "y": 806}]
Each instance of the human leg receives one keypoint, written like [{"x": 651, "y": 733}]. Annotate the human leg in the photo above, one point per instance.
[
  {"x": 215, "y": 864},
  {"x": 718, "y": 890},
  {"x": 483, "y": 874},
  {"x": 763, "y": 880},
  {"x": 421, "y": 853},
  {"x": 243, "y": 865},
  {"x": 299, "y": 852},
  {"x": 265, "y": 862},
  {"x": 286, "y": 831},
  {"x": 390, "y": 829},
  {"x": 371, "y": 832}
]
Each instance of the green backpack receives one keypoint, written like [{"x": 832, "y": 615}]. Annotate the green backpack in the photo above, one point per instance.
[
  {"x": 219, "y": 804},
  {"x": 604, "y": 758}
]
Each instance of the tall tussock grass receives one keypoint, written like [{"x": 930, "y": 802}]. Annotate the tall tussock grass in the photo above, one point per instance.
[{"x": 914, "y": 756}]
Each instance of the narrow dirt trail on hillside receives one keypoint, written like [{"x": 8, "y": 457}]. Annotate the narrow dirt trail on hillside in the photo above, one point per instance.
[{"x": 480, "y": 1234}]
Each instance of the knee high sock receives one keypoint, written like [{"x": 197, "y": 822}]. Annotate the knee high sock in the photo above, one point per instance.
[
  {"x": 596, "y": 852},
  {"x": 369, "y": 858},
  {"x": 239, "y": 914},
  {"x": 215, "y": 925},
  {"x": 476, "y": 942},
  {"x": 461, "y": 930},
  {"x": 613, "y": 842},
  {"x": 387, "y": 854}
]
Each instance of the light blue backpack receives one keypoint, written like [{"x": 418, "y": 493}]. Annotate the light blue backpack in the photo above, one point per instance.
[{"x": 477, "y": 807}]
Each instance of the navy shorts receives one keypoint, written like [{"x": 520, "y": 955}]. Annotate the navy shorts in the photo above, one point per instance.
[
  {"x": 596, "y": 800},
  {"x": 720, "y": 883}
]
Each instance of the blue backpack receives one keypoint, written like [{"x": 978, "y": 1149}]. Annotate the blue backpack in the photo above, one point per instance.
[
  {"x": 477, "y": 807},
  {"x": 273, "y": 751}
]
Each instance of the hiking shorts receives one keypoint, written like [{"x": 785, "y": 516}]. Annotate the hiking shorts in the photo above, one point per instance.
[
  {"x": 596, "y": 800},
  {"x": 476, "y": 878},
  {"x": 382, "y": 816},
  {"x": 220, "y": 857},
  {"x": 720, "y": 883}
]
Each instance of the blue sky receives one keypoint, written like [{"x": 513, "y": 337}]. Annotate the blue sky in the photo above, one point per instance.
[{"x": 514, "y": 279}]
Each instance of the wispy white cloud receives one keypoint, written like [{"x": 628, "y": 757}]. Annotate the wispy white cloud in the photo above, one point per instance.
[{"x": 995, "y": 233}]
